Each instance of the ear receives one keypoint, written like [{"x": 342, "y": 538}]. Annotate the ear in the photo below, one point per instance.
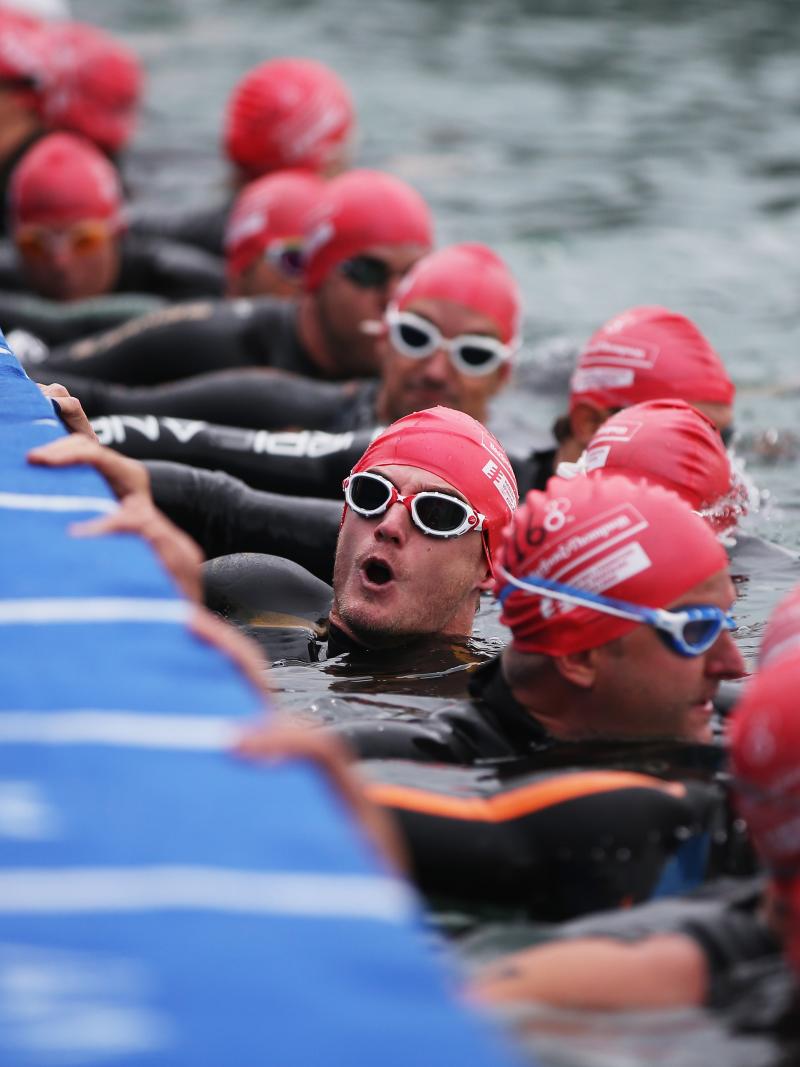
[
  {"x": 577, "y": 668},
  {"x": 585, "y": 421}
]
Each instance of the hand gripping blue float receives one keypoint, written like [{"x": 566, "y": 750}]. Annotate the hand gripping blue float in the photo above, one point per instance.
[{"x": 161, "y": 903}]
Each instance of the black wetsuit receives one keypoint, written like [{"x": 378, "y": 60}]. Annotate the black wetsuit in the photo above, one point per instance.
[
  {"x": 193, "y": 339},
  {"x": 203, "y": 226},
  {"x": 308, "y": 462},
  {"x": 225, "y": 516},
  {"x": 261, "y": 398},
  {"x": 56, "y": 322},
  {"x": 724, "y": 918},
  {"x": 147, "y": 265}
]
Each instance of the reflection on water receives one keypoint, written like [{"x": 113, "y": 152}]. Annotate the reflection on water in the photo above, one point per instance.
[{"x": 618, "y": 152}]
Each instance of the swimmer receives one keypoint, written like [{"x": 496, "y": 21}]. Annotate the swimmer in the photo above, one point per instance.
[
  {"x": 424, "y": 509},
  {"x": 67, "y": 221},
  {"x": 92, "y": 85},
  {"x": 669, "y": 443},
  {"x": 285, "y": 114},
  {"x": 366, "y": 230},
  {"x": 264, "y": 234},
  {"x": 22, "y": 66},
  {"x": 645, "y": 353},
  {"x": 449, "y": 337},
  {"x": 596, "y": 579},
  {"x": 701, "y": 956}
]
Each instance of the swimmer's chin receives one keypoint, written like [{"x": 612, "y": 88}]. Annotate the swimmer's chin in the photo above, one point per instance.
[{"x": 370, "y": 637}]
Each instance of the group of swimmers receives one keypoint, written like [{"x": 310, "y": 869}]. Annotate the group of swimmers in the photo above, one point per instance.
[{"x": 352, "y": 364}]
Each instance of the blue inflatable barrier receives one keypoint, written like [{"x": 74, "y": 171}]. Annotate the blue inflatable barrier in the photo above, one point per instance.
[{"x": 160, "y": 902}]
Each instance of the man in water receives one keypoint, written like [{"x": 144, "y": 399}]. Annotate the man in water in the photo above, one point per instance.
[
  {"x": 618, "y": 600},
  {"x": 366, "y": 230},
  {"x": 701, "y": 952},
  {"x": 424, "y": 510},
  {"x": 66, "y": 216},
  {"x": 645, "y": 353}
]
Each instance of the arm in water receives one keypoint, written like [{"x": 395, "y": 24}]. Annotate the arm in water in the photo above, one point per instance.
[{"x": 225, "y": 516}]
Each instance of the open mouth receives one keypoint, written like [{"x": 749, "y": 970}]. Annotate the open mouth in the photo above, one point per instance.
[{"x": 377, "y": 573}]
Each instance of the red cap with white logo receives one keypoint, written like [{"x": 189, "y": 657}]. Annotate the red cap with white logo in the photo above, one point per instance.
[
  {"x": 613, "y": 536},
  {"x": 457, "y": 448},
  {"x": 670, "y": 443},
  {"x": 61, "y": 180},
  {"x": 649, "y": 353},
  {"x": 288, "y": 113},
  {"x": 358, "y": 210},
  {"x": 471, "y": 275},
  {"x": 272, "y": 208}
]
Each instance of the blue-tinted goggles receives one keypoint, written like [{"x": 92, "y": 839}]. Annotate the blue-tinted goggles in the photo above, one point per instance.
[{"x": 690, "y": 631}]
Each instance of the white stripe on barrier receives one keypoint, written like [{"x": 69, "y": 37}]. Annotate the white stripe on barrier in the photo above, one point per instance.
[
  {"x": 119, "y": 728},
  {"x": 93, "y": 609},
  {"x": 39, "y": 502},
  {"x": 70, "y": 891}
]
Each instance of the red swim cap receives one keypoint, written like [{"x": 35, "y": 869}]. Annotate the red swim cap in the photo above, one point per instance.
[
  {"x": 22, "y": 54},
  {"x": 287, "y": 113},
  {"x": 670, "y": 443},
  {"x": 765, "y": 756},
  {"x": 611, "y": 535},
  {"x": 456, "y": 447},
  {"x": 61, "y": 180},
  {"x": 93, "y": 85},
  {"x": 470, "y": 275},
  {"x": 272, "y": 208},
  {"x": 358, "y": 210},
  {"x": 782, "y": 635},
  {"x": 649, "y": 353}
]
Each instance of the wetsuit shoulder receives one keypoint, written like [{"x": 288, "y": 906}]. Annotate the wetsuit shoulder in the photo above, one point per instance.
[
  {"x": 10, "y": 276},
  {"x": 202, "y": 226},
  {"x": 489, "y": 727},
  {"x": 279, "y": 603},
  {"x": 168, "y": 268}
]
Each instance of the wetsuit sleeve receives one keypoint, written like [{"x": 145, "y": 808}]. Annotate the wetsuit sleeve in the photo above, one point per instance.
[
  {"x": 298, "y": 462},
  {"x": 171, "y": 269},
  {"x": 202, "y": 227},
  {"x": 57, "y": 323},
  {"x": 728, "y": 940},
  {"x": 258, "y": 398},
  {"x": 173, "y": 343},
  {"x": 225, "y": 516}
]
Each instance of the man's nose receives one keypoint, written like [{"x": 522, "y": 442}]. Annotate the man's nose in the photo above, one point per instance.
[
  {"x": 437, "y": 366},
  {"x": 394, "y": 525},
  {"x": 723, "y": 659}
]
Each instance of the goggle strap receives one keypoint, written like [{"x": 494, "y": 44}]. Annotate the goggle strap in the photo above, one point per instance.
[{"x": 557, "y": 591}]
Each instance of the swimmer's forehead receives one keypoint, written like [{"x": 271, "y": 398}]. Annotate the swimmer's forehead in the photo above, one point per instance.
[
  {"x": 415, "y": 480},
  {"x": 718, "y": 590}
]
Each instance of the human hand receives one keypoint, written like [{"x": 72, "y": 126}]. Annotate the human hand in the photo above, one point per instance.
[{"x": 72, "y": 414}]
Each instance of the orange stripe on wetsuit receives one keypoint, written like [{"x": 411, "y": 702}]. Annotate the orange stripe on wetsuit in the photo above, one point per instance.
[{"x": 516, "y": 802}]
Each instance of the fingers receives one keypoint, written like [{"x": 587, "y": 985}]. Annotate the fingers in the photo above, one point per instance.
[
  {"x": 244, "y": 652},
  {"x": 72, "y": 414},
  {"x": 137, "y": 514},
  {"x": 124, "y": 475}
]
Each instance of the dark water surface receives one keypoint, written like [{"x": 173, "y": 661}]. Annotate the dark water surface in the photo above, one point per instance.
[{"x": 616, "y": 153}]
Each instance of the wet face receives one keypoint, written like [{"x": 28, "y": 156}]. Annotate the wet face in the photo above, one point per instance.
[
  {"x": 642, "y": 688},
  {"x": 343, "y": 305},
  {"x": 71, "y": 262},
  {"x": 391, "y": 582},
  {"x": 410, "y": 384}
]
